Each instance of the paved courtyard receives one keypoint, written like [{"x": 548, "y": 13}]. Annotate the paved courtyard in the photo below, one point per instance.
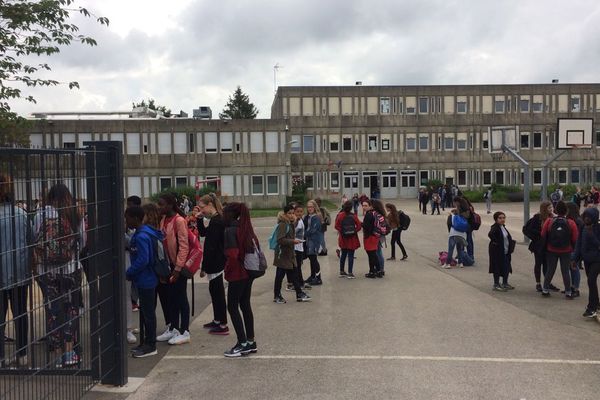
[{"x": 419, "y": 333}]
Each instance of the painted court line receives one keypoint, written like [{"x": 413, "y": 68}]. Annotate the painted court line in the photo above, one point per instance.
[{"x": 399, "y": 358}]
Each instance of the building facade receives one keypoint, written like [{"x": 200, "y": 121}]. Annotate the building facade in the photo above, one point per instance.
[{"x": 352, "y": 140}]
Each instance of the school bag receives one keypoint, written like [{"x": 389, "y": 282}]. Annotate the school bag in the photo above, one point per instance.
[
  {"x": 160, "y": 262},
  {"x": 381, "y": 227},
  {"x": 195, "y": 253},
  {"x": 555, "y": 197},
  {"x": 404, "y": 221},
  {"x": 348, "y": 226},
  {"x": 529, "y": 229},
  {"x": 559, "y": 234},
  {"x": 273, "y": 238},
  {"x": 475, "y": 221},
  {"x": 255, "y": 263},
  {"x": 460, "y": 223},
  {"x": 57, "y": 241}
]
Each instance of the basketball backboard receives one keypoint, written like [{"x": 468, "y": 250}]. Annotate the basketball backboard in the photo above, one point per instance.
[
  {"x": 574, "y": 133},
  {"x": 502, "y": 135}
]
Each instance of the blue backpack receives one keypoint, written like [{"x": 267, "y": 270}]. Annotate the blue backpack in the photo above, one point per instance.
[
  {"x": 460, "y": 223},
  {"x": 273, "y": 238}
]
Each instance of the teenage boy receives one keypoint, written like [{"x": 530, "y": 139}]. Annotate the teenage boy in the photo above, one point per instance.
[{"x": 141, "y": 272}]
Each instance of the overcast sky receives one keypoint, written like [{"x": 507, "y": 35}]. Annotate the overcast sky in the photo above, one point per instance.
[{"x": 186, "y": 53}]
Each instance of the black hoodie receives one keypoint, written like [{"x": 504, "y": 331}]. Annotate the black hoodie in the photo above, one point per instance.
[{"x": 588, "y": 243}]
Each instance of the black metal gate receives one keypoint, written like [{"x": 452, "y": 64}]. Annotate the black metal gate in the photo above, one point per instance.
[{"x": 62, "y": 282}]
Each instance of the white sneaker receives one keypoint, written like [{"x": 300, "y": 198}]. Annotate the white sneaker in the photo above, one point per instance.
[
  {"x": 180, "y": 338},
  {"x": 459, "y": 265},
  {"x": 167, "y": 335},
  {"x": 131, "y": 339},
  {"x": 446, "y": 266}
]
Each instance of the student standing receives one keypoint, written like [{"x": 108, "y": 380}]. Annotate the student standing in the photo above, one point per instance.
[
  {"x": 239, "y": 240},
  {"x": 355, "y": 203},
  {"x": 348, "y": 226},
  {"x": 370, "y": 239},
  {"x": 142, "y": 251},
  {"x": 457, "y": 237},
  {"x": 393, "y": 217},
  {"x": 533, "y": 230},
  {"x": 488, "y": 200},
  {"x": 312, "y": 234},
  {"x": 587, "y": 250},
  {"x": 380, "y": 210},
  {"x": 325, "y": 222},
  {"x": 499, "y": 250},
  {"x": 560, "y": 234},
  {"x": 285, "y": 257},
  {"x": 573, "y": 214},
  {"x": 212, "y": 228},
  {"x": 174, "y": 292},
  {"x": 299, "y": 247}
]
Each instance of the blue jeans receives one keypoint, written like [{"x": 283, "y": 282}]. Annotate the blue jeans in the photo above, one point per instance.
[
  {"x": 462, "y": 257},
  {"x": 350, "y": 254},
  {"x": 575, "y": 277},
  {"x": 470, "y": 248},
  {"x": 380, "y": 256}
]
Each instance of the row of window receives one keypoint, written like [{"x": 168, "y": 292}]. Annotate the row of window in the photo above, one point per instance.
[{"x": 411, "y": 105}]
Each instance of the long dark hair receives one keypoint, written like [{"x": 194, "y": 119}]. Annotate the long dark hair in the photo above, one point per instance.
[
  {"x": 573, "y": 211},
  {"x": 61, "y": 199},
  {"x": 171, "y": 199},
  {"x": 245, "y": 233},
  {"x": 378, "y": 206},
  {"x": 394, "y": 217}
]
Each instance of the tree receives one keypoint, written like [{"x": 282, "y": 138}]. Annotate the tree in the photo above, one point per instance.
[
  {"x": 239, "y": 107},
  {"x": 152, "y": 106},
  {"x": 33, "y": 27}
]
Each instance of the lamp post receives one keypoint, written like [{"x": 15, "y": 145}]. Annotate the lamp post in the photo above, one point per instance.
[{"x": 288, "y": 164}]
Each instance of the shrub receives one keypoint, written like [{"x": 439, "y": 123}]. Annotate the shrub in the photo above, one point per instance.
[{"x": 189, "y": 191}]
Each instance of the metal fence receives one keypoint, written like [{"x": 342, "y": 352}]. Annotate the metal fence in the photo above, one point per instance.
[{"x": 62, "y": 282}]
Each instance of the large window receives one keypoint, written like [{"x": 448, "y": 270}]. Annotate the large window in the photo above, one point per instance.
[
  {"x": 165, "y": 183},
  {"x": 575, "y": 103},
  {"x": 537, "y": 140},
  {"x": 385, "y": 143},
  {"x": 295, "y": 145},
  {"x": 257, "y": 185},
  {"x": 272, "y": 184},
  {"x": 372, "y": 142},
  {"x": 423, "y": 105},
  {"x": 461, "y": 107},
  {"x": 461, "y": 143},
  {"x": 524, "y": 105},
  {"x": 423, "y": 143},
  {"x": 309, "y": 180},
  {"x": 384, "y": 105},
  {"x": 537, "y": 176},
  {"x": 462, "y": 177},
  {"x": 334, "y": 143},
  {"x": 538, "y": 106},
  {"x": 448, "y": 143},
  {"x": 334, "y": 180},
  {"x": 562, "y": 176},
  {"x": 499, "y": 107},
  {"x": 500, "y": 177},
  {"x": 524, "y": 140},
  {"x": 256, "y": 142},
  {"x": 308, "y": 143},
  {"x": 574, "y": 176},
  {"x": 226, "y": 142},
  {"x": 485, "y": 143},
  {"x": 411, "y": 143},
  {"x": 210, "y": 142},
  {"x": 487, "y": 177},
  {"x": 347, "y": 143},
  {"x": 181, "y": 181}
]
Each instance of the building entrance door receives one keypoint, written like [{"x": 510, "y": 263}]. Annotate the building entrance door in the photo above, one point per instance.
[
  {"x": 350, "y": 184},
  {"x": 408, "y": 184},
  {"x": 389, "y": 186}
]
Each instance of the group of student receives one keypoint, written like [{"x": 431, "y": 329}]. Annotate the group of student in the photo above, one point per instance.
[
  {"x": 561, "y": 235},
  {"x": 228, "y": 237}
]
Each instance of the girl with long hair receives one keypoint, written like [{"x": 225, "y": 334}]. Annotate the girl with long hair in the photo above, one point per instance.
[
  {"x": 239, "y": 240},
  {"x": 573, "y": 214},
  {"x": 313, "y": 234},
  {"x": 212, "y": 228},
  {"x": 500, "y": 249},
  {"x": 380, "y": 209},
  {"x": 393, "y": 218},
  {"x": 347, "y": 225},
  {"x": 533, "y": 230},
  {"x": 173, "y": 293},
  {"x": 370, "y": 240}
]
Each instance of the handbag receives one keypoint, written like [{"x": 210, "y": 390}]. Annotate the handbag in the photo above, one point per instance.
[{"x": 255, "y": 263}]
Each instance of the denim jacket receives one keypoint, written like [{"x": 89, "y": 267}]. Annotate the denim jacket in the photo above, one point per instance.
[{"x": 14, "y": 252}]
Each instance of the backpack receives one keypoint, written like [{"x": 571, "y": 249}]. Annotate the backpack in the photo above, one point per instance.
[
  {"x": 348, "y": 226},
  {"x": 559, "y": 234},
  {"x": 404, "y": 221},
  {"x": 194, "y": 257},
  {"x": 460, "y": 223},
  {"x": 57, "y": 241},
  {"x": 255, "y": 263},
  {"x": 555, "y": 197},
  {"x": 273, "y": 238},
  {"x": 475, "y": 221},
  {"x": 381, "y": 227},
  {"x": 528, "y": 229},
  {"x": 485, "y": 195},
  {"x": 160, "y": 264}
]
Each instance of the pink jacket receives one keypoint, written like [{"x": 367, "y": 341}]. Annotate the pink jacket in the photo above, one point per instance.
[{"x": 171, "y": 227}]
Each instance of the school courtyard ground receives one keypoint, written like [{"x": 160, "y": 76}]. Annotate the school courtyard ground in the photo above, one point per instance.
[{"x": 419, "y": 333}]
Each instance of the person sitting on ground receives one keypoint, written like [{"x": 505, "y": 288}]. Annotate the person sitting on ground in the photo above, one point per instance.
[{"x": 500, "y": 249}]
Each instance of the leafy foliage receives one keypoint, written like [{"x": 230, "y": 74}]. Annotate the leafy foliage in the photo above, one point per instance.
[
  {"x": 40, "y": 28},
  {"x": 14, "y": 131},
  {"x": 189, "y": 191},
  {"x": 152, "y": 106},
  {"x": 239, "y": 107}
]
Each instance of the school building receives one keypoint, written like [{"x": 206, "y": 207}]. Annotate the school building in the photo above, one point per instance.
[{"x": 350, "y": 139}]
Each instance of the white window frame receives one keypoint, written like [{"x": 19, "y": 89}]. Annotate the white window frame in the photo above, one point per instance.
[
  {"x": 496, "y": 103},
  {"x": 304, "y": 137},
  {"x": 466, "y": 105},
  {"x": 413, "y": 138},
  {"x": 566, "y": 173},
  {"x": 212, "y": 135},
  {"x": 331, "y": 180},
  {"x": 451, "y": 137},
  {"x": 386, "y": 138},
  {"x": 489, "y": 182},
  {"x": 296, "y": 144},
  {"x": 465, "y": 183},
  {"x": 257, "y": 145},
  {"x": 160, "y": 180},
  {"x": 521, "y": 134},
  {"x": 334, "y": 139},
  {"x": 501, "y": 171},
  {"x": 524, "y": 110},
  {"x": 372, "y": 139},
  {"x": 344, "y": 137},
  {"x": 384, "y": 108},
  {"x": 262, "y": 184},
  {"x": 578, "y": 176},
  {"x": 426, "y": 148},
  {"x": 276, "y": 184},
  {"x": 421, "y": 111},
  {"x": 223, "y": 138},
  {"x": 533, "y": 176},
  {"x": 187, "y": 182},
  {"x": 541, "y": 140},
  {"x": 311, "y": 174}
]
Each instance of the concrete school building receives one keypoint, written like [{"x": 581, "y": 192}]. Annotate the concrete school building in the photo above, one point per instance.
[{"x": 350, "y": 139}]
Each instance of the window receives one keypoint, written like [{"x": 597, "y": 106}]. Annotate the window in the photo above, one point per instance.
[
  {"x": 537, "y": 140},
  {"x": 423, "y": 143},
  {"x": 334, "y": 143},
  {"x": 524, "y": 140},
  {"x": 210, "y": 142},
  {"x": 461, "y": 143},
  {"x": 226, "y": 142},
  {"x": 256, "y": 142},
  {"x": 347, "y": 143},
  {"x": 181, "y": 181},
  {"x": 574, "y": 176},
  {"x": 537, "y": 176},
  {"x": 448, "y": 143},
  {"x": 385, "y": 144},
  {"x": 575, "y": 103},
  {"x": 69, "y": 145},
  {"x": 165, "y": 183},
  {"x": 487, "y": 177},
  {"x": 334, "y": 180},
  {"x": 424, "y": 177},
  {"x": 423, "y": 105},
  {"x": 272, "y": 184},
  {"x": 295, "y": 144},
  {"x": 462, "y": 177},
  {"x": 411, "y": 144},
  {"x": 461, "y": 107},
  {"x": 384, "y": 105},
  {"x": 597, "y": 175},
  {"x": 499, "y": 106},
  {"x": 309, "y": 179},
  {"x": 308, "y": 143},
  {"x": 271, "y": 142},
  {"x": 597, "y": 138},
  {"x": 499, "y": 177},
  {"x": 485, "y": 143},
  {"x": 257, "y": 184},
  {"x": 372, "y": 143},
  {"x": 238, "y": 145},
  {"x": 192, "y": 143},
  {"x": 538, "y": 106},
  {"x": 562, "y": 176},
  {"x": 524, "y": 105},
  {"x": 410, "y": 105}
]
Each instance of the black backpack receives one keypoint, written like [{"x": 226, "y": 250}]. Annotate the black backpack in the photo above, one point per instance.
[
  {"x": 559, "y": 235},
  {"x": 160, "y": 263},
  {"x": 404, "y": 221},
  {"x": 348, "y": 226}
]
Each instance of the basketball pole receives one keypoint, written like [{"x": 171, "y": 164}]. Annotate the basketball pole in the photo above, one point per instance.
[
  {"x": 545, "y": 172},
  {"x": 526, "y": 183}
]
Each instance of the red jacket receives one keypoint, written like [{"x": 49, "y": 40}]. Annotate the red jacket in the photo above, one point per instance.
[
  {"x": 574, "y": 234},
  {"x": 234, "y": 269},
  {"x": 347, "y": 242}
]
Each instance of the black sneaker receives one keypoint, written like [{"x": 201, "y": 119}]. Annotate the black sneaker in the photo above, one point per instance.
[
  {"x": 144, "y": 351},
  {"x": 508, "y": 287},
  {"x": 575, "y": 292},
  {"x": 236, "y": 351},
  {"x": 306, "y": 286},
  {"x": 210, "y": 325},
  {"x": 545, "y": 293},
  {"x": 343, "y": 274},
  {"x": 380, "y": 274},
  {"x": 323, "y": 253},
  {"x": 499, "y": 288},
  {"x": 279, "y": 300},
  {"x": 302, "y": 297},
  {"x": 310, "y": 280},
  {"x": 250, "y": 348},
  {"x": 404, "y": 258},
  {"x": 391, "y": 259},
  {"x": 538, "y": 287},
  {"x": 290, "y": 288},
  {"x": 569, "y": 296},
  {"x": 370, "y": 275},
  {"x": 553, "y": 288},
  {"x": 317, "y": 281},
  {"x": 589, "y": 313}
]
